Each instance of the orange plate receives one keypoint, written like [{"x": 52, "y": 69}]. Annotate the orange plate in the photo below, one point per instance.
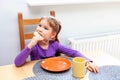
[{"x": 56, "y": 64}]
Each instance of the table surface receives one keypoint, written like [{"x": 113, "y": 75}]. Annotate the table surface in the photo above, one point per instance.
[{"x": 11, "y": 72}]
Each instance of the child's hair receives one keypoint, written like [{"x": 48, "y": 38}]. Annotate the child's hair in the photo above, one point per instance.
[{"x": 54, "y": 24}]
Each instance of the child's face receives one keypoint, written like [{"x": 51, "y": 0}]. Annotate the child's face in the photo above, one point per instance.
[{"x": 45, "y": 30}]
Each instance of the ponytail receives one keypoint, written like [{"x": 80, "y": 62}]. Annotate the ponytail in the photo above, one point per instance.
[{"x": 56, "y": 37}]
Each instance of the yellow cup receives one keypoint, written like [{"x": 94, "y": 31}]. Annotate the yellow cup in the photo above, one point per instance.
[{"x": 79, "y": 65}]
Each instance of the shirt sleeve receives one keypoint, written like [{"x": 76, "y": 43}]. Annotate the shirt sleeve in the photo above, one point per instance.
[
  {"x": 71, "y": 52},
  {"x": 22, "y": 56}
]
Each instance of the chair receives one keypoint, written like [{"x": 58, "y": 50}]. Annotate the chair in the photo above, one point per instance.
[{"x": 23, "y": 23}]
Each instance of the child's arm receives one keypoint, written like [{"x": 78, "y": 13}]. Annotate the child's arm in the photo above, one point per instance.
[
  {"x": 37, "y": 37},
  {"x": 73, "y": 53},
  {"x": 70, "y": 52},
  {"x": 21, "y": 58}
]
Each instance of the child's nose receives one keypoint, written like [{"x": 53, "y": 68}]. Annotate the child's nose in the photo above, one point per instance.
[{"x": 39, "y": 28}]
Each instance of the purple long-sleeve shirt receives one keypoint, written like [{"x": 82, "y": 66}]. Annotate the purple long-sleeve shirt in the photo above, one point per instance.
[{"x": 39, "y": 53}]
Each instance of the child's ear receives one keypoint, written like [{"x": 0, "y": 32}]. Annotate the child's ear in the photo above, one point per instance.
[{"x": 53, "y": 35}]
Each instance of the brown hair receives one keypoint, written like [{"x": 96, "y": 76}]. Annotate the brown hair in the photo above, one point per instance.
[{"x": 54, "y": 24}]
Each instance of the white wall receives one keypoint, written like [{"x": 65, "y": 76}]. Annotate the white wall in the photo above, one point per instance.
[{"x": 77, "y": 20}]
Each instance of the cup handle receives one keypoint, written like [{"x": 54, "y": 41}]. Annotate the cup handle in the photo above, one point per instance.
[{"x": 87, "y": 64}]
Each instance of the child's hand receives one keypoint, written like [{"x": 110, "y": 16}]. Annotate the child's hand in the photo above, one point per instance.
[
  {"x": 37, "y": 37},
  {"x": 93, "y": 67}
]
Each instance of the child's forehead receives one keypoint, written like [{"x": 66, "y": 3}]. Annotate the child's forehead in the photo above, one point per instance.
[
  {"x": 44, "y": 22},
  {"x": 47, "y": 21},
  {"x": 44, "y": 18}
]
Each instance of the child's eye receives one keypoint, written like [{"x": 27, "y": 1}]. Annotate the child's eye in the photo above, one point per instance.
[
  {"x": 39, "y": 25},
  {"x": 45, "y": 28}
]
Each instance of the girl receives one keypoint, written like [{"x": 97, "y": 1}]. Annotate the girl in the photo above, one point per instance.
[{"x": 45, "y": 44}]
